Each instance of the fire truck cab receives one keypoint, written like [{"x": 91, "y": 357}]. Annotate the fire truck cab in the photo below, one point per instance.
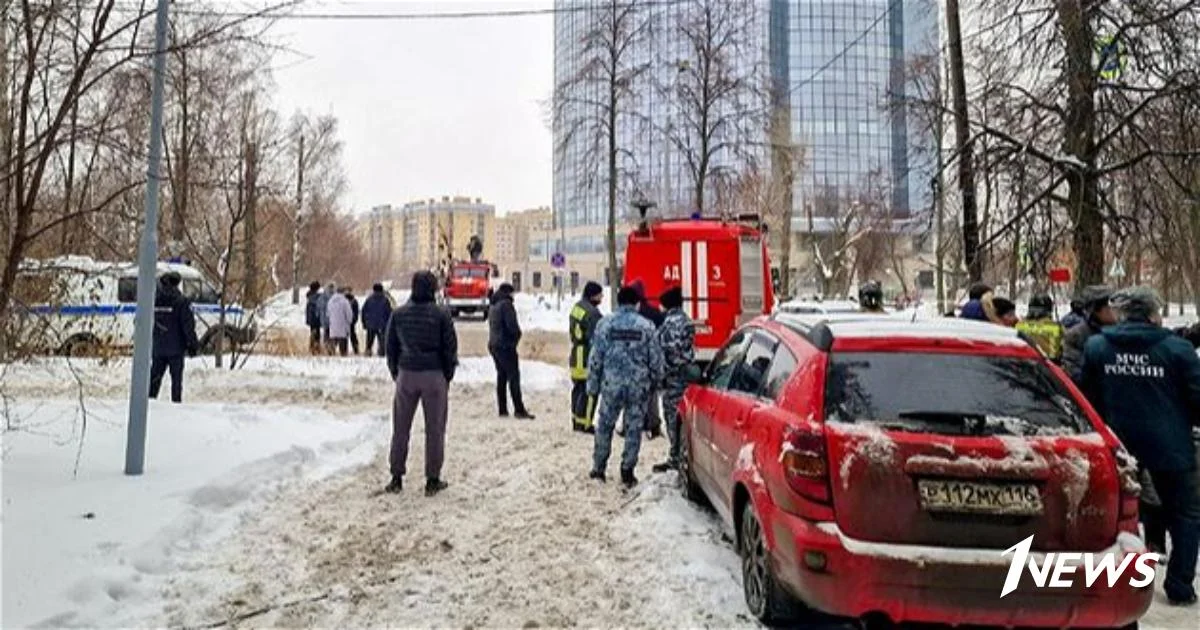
[
  {"x": 468, "y": 287},
  {"x": 722, "y": 266}
]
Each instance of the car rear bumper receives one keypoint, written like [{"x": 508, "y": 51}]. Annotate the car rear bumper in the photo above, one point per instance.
[{"x": 910, "y": 583}]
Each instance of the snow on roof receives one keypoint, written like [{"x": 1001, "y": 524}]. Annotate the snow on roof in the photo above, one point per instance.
[
  {"x": 866, "y": 326},
  {"x": 92, "y": 267}
]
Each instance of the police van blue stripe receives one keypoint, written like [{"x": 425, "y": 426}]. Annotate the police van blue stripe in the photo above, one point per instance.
[{"x": 110, "y": 310}]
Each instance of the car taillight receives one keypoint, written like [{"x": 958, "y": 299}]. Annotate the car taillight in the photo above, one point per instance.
[
  {"x": 1131, "y": 486},
  {"x": 804, "y": 462}
]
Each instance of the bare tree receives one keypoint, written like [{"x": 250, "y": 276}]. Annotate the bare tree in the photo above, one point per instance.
[
  {"x": 1082, "y": 77},
  {"x": 318, "y": 175},
  {"x": 592, "y": 103},
  {"x": 717, "y": 86}
]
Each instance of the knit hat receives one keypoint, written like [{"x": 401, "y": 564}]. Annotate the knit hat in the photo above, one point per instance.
[
  {"x": 628, "y": 296},
  {"x": 592, "y": 289},
  {"x": 1139, "y": 303}
]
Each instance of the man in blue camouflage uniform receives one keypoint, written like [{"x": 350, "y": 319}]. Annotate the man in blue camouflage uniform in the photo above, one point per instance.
[
  {"x": 677, "y": 337},
  {"x": 625, "y": 362}
]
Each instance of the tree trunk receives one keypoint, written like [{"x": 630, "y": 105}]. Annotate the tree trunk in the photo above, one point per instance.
[
  {"x": 613, "y": 280},
  {"x": 297, "y": 222},
  {"x": 251, "y": 298},
  {"x": 966, "y": 174},
  {"x": 1083, "y": 197}
]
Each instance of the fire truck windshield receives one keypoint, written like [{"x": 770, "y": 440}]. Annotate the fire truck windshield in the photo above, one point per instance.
[{"x": 468, "y": 272}]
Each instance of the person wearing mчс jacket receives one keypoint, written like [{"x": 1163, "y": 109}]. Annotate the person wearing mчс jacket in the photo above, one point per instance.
[
  {"x": 375, "y": 313},
  {"x": 584, "y": 317},
  {"x": 174, "y": 335},
  {"x": 1144, "y": 381},
  {"x": 504, "y": 333},
  {"x": 422, "y": 355}
]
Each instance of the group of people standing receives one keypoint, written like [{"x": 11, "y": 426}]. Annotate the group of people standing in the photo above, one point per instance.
[
  {"x": 625, "y": 360},
  {"x": 1144, "y": 382},
  {"x": 333, "y": 316}
]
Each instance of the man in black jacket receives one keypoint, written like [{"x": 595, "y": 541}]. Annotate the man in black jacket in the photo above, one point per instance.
[
  {"x": 312, "y": 317},
  {"x": 349, "y": 293},
  {"x": 504, "y": 333},
  {"x": 375, "y": 313},
  {"x": 174, "y": 335},
  {"x": 1145, "y": 382},
  {"x": 1099, "y": 314},
  {"x": 422, "y": 354},
  {"x": 656, "y": 317}
]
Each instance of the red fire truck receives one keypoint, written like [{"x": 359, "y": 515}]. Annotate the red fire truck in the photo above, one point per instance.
[
  {"x": 721, "y": 264},
  {"x": 468, "y": 287}
]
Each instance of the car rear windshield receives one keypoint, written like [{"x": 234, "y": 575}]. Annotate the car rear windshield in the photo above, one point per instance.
[{"x": 951, "y": 394}]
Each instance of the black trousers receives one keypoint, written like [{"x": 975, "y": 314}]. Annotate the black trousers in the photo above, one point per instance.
[
  {"x": 375, "y": 337},
  {"x": 583, "y": 407},
  {"x": 354, "y": 339},
  {"x": 508, "y": 377},
  {"x": 314, "y": 339},
  {"x": 159, "y": 367},
  {"x": 338, "y": 345}
]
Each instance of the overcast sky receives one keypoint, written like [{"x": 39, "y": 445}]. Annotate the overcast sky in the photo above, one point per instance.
[{"x": 429, "y": 107}]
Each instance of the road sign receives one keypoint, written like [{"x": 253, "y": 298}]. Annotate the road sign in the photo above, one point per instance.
[
  {"x": 1118, "y": 269},
  {"x": 1060, "y": 275},
  {"x": 558, "y": 260},
  {"x": 1111, "y": 53}
]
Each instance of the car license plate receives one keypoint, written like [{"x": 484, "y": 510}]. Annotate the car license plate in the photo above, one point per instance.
[{"x": 979, "y": 498}]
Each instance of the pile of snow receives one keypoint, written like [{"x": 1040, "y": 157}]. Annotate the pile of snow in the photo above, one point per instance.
[
  {"x": 79, "y": 549},
  {"x": 543, "y": 311}
]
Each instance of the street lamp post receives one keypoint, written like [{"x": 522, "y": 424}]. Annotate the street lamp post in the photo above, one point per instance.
[{"x": 139, "y": 387}]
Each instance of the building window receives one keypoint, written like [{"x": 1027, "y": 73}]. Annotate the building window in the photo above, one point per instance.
[{"x": 537, "y": 279}]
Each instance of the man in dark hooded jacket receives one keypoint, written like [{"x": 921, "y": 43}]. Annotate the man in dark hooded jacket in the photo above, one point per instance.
[
  {"x": 504, "y": 333},
  {"x": 1099, "y": 314},
  {"x": 375, "y": 313},
  {"x": 174, "y": 335},
  {"x": 422, "y": 355},
  {"x": 1145, "y": 382},
  {"x": 354, "y": 314},
  {"x": 1076, "y": 317},
  {"x": 656, "y": 317},
  {"x": 974, "y": 308},
  {"x": 312, "y": 317}
]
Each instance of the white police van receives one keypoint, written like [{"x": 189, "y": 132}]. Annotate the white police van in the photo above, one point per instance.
[{"x": 76, "y": 305}]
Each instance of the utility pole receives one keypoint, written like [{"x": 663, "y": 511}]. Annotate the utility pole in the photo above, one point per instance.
[
  {"x": 139, "y": 388},
  {"x": 966, "y": 173},
  {"x": 298, "y": 221}
]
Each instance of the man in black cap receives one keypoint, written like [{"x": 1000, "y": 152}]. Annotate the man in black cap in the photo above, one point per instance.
[
  {"x": 677, "y": 337},
  {"x": 174, "y": 335},
  {"x": 1144, "y": 382},
  {"x": 1099, "y": 314},
  {"x": 584, "y": 317},
  {"x": 504, "y": 333}
]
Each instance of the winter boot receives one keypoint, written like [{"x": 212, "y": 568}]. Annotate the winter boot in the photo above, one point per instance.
[
  {"x": 524, "y": 415},
  {"x": 434, "y": 486},
  {"x": 628, "y": 479},
  {"x": 598, "y": 475},
  {"x": 395, "y": 485}
]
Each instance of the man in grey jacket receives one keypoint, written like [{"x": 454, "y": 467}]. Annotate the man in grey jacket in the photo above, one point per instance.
[
  {"x": 323, "y": 310},
  {"x": 422, "y": 355}
]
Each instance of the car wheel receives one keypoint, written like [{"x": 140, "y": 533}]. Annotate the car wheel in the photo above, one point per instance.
[
  {"x": 454, "y": 313},
  {"x": 764, "y": 598},
  {"x": 691, "y": 490}
]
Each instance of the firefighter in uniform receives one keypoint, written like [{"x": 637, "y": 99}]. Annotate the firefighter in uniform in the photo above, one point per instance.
[
  {"x": 870, "y": 297},
  {"x": 584, "y": 317},
  {"x": 677, "y": 336},
  {"x": 625, "y": 363},
  {"x": 1040, "y": 327}
]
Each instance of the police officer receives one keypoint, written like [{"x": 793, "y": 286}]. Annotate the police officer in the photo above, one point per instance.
[
  {"x": 584, "y": 317},
  {"x": 677, "y": 336},
  {"x": 870, "y": 297},
  {"x": 174, "y": 335},
  {"x": 625, "y": 363},
  {"x": 1039, "y": 325}
]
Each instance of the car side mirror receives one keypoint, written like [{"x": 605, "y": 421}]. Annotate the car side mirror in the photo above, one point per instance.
[{"x": 694, "y": 375}]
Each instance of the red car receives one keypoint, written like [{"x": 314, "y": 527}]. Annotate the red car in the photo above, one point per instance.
[{"x": 877, "y": 468}]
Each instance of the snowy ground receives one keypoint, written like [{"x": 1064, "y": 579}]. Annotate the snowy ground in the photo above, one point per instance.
[{"x": 256, "y": 504}]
